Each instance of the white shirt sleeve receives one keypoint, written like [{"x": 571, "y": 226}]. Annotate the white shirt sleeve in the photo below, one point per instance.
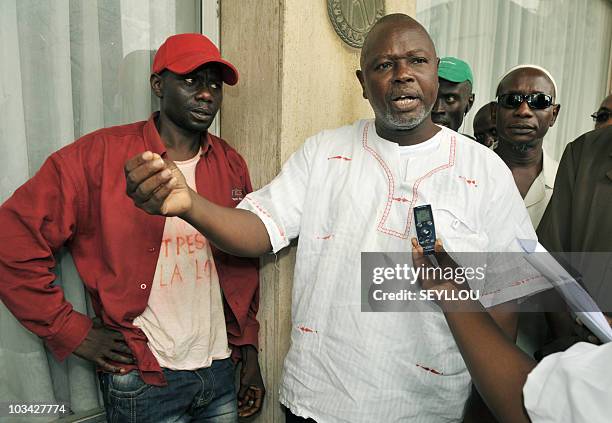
[
  {"x": 279, "y": 204},
  {"x": 574, "y": 386}
]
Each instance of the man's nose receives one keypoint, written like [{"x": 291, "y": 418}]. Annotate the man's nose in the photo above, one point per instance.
[
  {"x": 403, "y": 72},
  {"x": 523, "y": 110},
  {"x": 204, "y": 93}
]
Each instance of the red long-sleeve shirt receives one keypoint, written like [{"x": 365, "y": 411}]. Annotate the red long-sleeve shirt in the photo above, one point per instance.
[{"x": 78, "y": 199}]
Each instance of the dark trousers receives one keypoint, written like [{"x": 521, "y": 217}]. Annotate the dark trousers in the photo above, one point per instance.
[{"x": 206, "y": 395}]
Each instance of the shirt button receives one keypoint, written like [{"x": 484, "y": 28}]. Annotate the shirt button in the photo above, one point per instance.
[
  {"x": 152, "y": 249},
  {"x": 143, "y": 286}
]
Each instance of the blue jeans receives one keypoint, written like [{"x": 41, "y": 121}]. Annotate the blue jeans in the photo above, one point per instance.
[{"x": 204, "y": 395}]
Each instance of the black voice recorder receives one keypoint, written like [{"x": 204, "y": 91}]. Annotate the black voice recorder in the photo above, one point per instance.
[{"x": 425, "y": 229}]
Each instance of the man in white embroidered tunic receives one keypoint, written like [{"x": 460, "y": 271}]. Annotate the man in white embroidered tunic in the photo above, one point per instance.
[{"x": 351, "y": 190}]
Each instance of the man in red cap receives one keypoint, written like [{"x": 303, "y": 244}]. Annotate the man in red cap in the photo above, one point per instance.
[{"x": 171, "y": 309}]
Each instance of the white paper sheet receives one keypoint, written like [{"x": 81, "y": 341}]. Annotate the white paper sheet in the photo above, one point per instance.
[{"x": 573, "y": 294}]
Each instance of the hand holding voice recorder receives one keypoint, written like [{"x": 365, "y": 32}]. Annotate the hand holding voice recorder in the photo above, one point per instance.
[{"x": 425, "y": 229}]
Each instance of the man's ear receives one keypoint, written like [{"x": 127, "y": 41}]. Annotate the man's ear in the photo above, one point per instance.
[
  {"x": 494, "y": 112},
  {"x": 361, "y": 82},
  {"x": 157, "y": 84},
  {"x": 469, "y": 104},
  {"x": 556, "y": 109}
]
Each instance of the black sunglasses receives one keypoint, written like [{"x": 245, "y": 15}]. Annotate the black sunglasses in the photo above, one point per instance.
[
  {"x": 601, "y": 116},
  {"x": 534, "y": 101}
]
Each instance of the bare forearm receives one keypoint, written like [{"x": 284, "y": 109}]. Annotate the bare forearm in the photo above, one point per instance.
[
  {"x": 498, "y": 368},
  {"x": 485, "y": 339},
  {"x": 235, "y": 231}
]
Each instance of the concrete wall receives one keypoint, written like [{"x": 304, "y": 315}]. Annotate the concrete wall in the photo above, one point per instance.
[{"x": 297, "y": 77}]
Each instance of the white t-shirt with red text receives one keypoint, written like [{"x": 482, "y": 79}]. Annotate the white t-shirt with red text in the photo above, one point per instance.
[{"x": 184, "y": 318}]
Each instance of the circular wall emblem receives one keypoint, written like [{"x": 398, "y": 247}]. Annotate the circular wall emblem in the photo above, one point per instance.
[{"x": 352, "y": 19}]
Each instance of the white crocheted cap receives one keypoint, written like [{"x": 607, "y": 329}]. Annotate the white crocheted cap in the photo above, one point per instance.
[{"x": 540, "y": 68}]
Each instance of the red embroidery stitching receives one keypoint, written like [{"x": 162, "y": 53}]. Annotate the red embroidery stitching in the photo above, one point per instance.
[
  {"x": 304, "y": 329},
  {"x": 391, "y": 184},
  {"x": 388, "y": 174},
  {"x": 348, "y": 159},
  {"x": 264, "y": 211},
  {"x": 516, "y": 283},
  {"x": 469, "y": 181},
  {"x": 434, "y": 371},
  {"x": 415, "y": 191}
]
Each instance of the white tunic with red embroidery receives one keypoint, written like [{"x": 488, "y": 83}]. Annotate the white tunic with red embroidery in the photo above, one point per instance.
[{"x": 346, "y": 191}]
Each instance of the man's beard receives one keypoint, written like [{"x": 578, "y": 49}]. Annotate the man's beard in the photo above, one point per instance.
[
  {"x": 409, "y": 123},
  {"x": 522, "y": 147}
]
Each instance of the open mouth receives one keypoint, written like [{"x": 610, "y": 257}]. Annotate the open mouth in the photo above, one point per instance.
[{"x": 406, "y": 101}]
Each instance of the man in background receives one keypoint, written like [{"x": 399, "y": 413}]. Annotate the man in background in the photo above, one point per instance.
[
  {"x": 455, "y": 97},
  {"x": 603, "y": 115},
  {"x": 578, "y": 220},
  {"x": 485, "y": 131},
  {"x": 578, "y": 216},
  {"x": 525, "y": 110}
]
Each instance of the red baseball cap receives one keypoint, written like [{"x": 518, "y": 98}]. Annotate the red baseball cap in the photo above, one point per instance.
[{"x": 183, "y": 53}]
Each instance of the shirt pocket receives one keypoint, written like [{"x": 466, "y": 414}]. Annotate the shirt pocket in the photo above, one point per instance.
[{"x": 458, "y": 229}]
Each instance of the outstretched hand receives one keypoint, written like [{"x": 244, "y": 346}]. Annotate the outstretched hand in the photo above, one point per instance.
[{"x": 156, "y": 185}]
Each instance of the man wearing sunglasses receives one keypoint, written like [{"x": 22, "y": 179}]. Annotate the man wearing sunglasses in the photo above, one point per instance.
[
  {"x": 524, "y": 112},
  {"x": 603, "y": 116}
]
